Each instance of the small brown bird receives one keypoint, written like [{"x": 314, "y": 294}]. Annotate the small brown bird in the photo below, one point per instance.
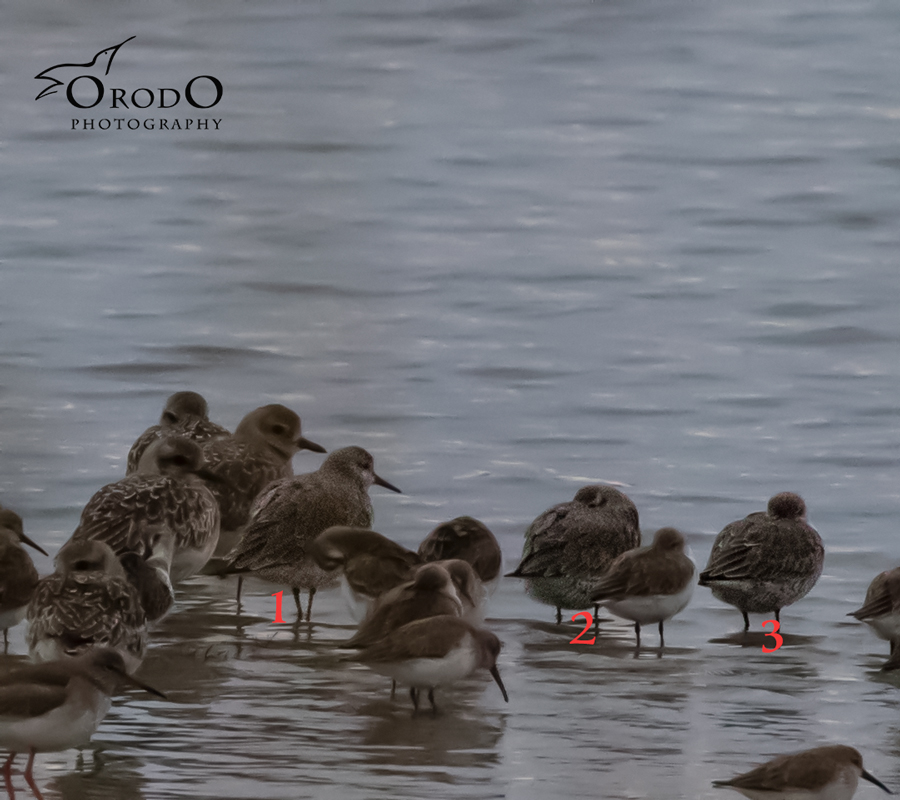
[
  {"x": 469, "y": 539},
  {"x": 18, "y": 577},
  {"x": 823, "y": 773},
  {"x": 185, "y": 414},
  {"x": 767, "y": 560},
  {"x": 881, "y": 611},
  {"x": 649, "y": 584},
  {"x": 569, "y": 546}
]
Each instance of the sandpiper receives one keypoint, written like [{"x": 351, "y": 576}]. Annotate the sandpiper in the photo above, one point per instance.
[
  {"x": 18, "y": 577},
  {"x": 469, "y": 539},
  {"x": 58, "y": 705},
  {"x": 823, "y": 773},
  {"x": 881, "y": 611},
  {"x": 88, "y": 602},
  {"x": 259, "y": 452},
  {"x": 767, "y": 560},
  {"x": 370, "y": 564},
  {"x": 291, "y": 513},
  {"x": 148, "y": 572},
  {"x": 649, "y": 584},
  {"x": 166, "y": 490},
  {"x": 569, "y": 546},
  {"x": 433, "y": 652},
  {"x": 185, "y": 414}
]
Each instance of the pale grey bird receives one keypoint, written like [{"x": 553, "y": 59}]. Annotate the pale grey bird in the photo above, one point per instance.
[
  {"x": 18, "y": 577},
  {"x": 767, "y": 560},
  {"x": 185, "y": 414},
  {"x": 168, "y": 490},
  {"x": 291, "y": 513},
  {"x": 569, "y": 546}
]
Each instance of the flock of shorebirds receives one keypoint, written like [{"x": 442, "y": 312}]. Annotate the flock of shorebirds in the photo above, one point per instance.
[{"x": 197, "y": 497}]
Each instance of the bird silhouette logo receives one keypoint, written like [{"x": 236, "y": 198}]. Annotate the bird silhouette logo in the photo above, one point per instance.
[{"x": 105, "y": 56}]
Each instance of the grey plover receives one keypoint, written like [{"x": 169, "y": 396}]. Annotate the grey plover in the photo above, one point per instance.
[
  {"x": 87, "y": 602},
  {"x": 58, "y": 705},
  {"x": 291, "y": 513},
  {"x": 185, "y": 414},
  {"x": 649, "y": 584},
  {"x": 259, "y": 452},
  {"x": 569, "y": 546},
  {"x": 18, "y": 577},
  {"x": 169, "y": 490},
  {"x": 469, "y": 539},
  {"x": 881, "y": 611},
  {"x": 148, "y": 572},
  {"x": 823, "y": 773},
  {"x": 767, "y": 560},
  {"x": 433, "y": 652},
  {"x": 370, "y": 564}
]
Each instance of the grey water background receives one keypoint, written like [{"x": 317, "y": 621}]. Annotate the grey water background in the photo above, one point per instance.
[{"x": 510, "y": 248}]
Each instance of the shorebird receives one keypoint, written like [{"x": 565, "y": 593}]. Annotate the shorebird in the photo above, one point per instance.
[
  {"x": 649, "y": 584},
  {"x": 370, "y": 564},
  {"x": 569, "y": 546},
  {"x": 469, "y": 539},
  {"x": 18, "y": 577},
  {"x": 103, "y": 58},
  {"x": 148, "y": 572},
  {"x": 58, "y": 705},
  {"x": 87, "y": 603},
  {"x": 433, "y": 652},
  {"x": 185, "y": 414},
  {"x": 259, "y": 452},
  {"x": 767, "y": 560},
  {"x": 823, "y": 773},
  {"x": 167, "y": 491},
  {"x": 881, "y": 611},
  {"x": 292, "y": 512}
]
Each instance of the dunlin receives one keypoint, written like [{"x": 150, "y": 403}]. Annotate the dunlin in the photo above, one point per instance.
[
  {"x": 259, "y": 452},
  {"x": 469, "y": 539},
  {"x": 569, "y": 546},
  {"x": 823, "y": 773},
  {"x": 433, "y": 652},
  {"x": 767, "y": 560},
  {"x": 88, "y": 602},
  {"x": 291, "y": 513},
  {"x": 185, "y": 414},
  {"x": 370, "y": 564},
  {"x": 18, "y": 577},
  {"x": 649, "y": 584},
  {"x": 166, "y": 490},
  {"x": 881, "y": 611},
  {"x": 58, "y": 705}
]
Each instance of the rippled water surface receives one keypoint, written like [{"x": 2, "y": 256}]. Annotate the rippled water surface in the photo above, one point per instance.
[{"x": 510, "y": 248}]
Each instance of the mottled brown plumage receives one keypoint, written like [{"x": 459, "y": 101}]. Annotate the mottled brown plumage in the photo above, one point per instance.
[
  {"x": 466, "y": 538},
  {"x": 881, "y": 611},
  {"x": 18, "y": 577},
  {"x": 185, "y": 414}
]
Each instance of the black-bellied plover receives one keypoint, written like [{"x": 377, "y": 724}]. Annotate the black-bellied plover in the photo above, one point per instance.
[
  {"x": 569, "y": 546},
  {"x": 767, "y": 560},
  {"x": 649, "y": 584},
  {"x": 823, "y": 773},
  {"x": 18, "y": 577},
  {"x": 469, "y": 539},
  {"x": 169, "y": 490},
  {"x": 433, "y": 652},
  {"x": 291, "y": 513},
  {"x": 185, "y": 414},
  {"x": 58, "y": 705},
  {"x": 881, "y": 611}
]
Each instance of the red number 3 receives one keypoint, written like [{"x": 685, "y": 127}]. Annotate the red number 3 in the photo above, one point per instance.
[
  {"x": 590, "y": 621},
  {"x": 774, "y": 634}
]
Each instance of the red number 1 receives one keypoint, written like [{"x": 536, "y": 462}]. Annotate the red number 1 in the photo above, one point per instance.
[
  {"x": 278, "y": 617},
  {"x": 776, "y": 636},
  {"x": 590, "y": 621}
]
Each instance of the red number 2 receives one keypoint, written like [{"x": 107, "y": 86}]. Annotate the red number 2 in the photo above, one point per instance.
[
  {"x": 776, "y": 636},
  {"x": 277, "y": 596},
  {"x": 590, "y": 621}
]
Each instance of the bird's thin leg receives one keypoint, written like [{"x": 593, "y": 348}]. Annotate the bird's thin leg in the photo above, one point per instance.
[
  {"x": 431, "y": 700},
  {"x": 746, "y": 621},
  {"x": 777, "y": 612},
  {"x": 637, "y": 633},
  {"x": 414, "y": 696},
  {"x": 662, "y": 642},
  {"x": 7, "y": 776},
  {"x": 312, "y": 594},
  {"x": 296, "y": 592},
  {"x": 29, "y": 777},
  {"x": 240, "y": 584},
  {"x": 5, "y": 640},
  {"x": 596, "y": 619},
  {"x": 558, "y": 615},
  {"x": 393, "y": 688}
]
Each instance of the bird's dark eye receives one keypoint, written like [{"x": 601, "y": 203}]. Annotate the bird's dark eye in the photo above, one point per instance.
[
  {"x": 168, "y": 416},
  {"x": 180, "y": 461},
  {"x": 279, "y": 429}
]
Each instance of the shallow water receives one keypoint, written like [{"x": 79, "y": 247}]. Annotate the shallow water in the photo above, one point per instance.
[{"x": 509, "y": 248}]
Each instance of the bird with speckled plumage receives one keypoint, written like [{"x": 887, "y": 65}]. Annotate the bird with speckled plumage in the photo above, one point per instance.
[
  {"x": 291, "y": 513},
  {"x": 185, "y": 414},
  {"x": 469, "y": 539},
  {"x": 767, "y": 560},
  {"x": 18, "y": 577},
  {"x": 569, "y": 546}
]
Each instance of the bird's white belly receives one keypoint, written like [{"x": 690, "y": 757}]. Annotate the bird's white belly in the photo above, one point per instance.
[
  {"x": 651, "y": 608},
  {"x": 430, "y": 672},
  {"x": 70, "y": 725}
]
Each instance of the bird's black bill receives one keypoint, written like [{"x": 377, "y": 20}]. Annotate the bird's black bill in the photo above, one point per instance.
[
  {"x": 382, "y": 482},
  {"x": 35, "y": 545},
  {"x": 305, "y": 444},
  {"x": 496, "y": 675},
  {"x": 872, "y": 779},
  {"x": 210, "y": 477},
  {"x": 141, "y": 685}
]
